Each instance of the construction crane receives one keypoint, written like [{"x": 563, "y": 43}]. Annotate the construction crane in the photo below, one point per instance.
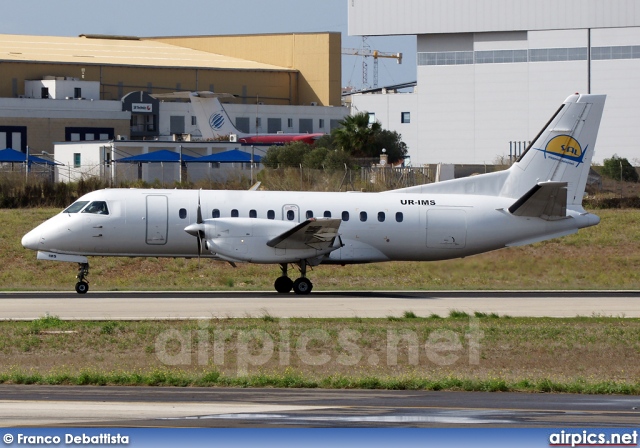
[{"x": 366, "y": 52}]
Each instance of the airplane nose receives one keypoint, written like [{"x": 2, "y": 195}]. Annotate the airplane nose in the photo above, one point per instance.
[{"x": 31, "y": 240}]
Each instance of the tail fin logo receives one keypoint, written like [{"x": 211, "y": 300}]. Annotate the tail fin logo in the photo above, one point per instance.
[
  {"x": 216, "y": 121},
  {"x": 567, "y": 148}
]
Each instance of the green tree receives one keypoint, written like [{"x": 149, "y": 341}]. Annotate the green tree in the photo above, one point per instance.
[
  {"x": 392, "y": 142},
  {"x": 290, "y": 154},
  {"x": 315, "y": 158},
  {"x": 355, "y": 134},
  {"x": 617, "y": 167},
  {"x": 270, "y": 159},
  {"x": 336, "y": 159}
]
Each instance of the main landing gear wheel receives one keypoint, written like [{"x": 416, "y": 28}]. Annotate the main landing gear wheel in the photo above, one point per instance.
[
  {"x": 283, "y": 284},
  {"x": 302, "y": 286},
  {"x": 82, "y": 287}
]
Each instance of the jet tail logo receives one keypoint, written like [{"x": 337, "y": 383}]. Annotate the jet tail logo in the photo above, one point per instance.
[
  {"x": 216, "y": 121},
  {"x": 565, "y": 148}
]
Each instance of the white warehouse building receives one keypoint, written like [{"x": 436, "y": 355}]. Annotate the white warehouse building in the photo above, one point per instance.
[{"x": 491, "y": 72}]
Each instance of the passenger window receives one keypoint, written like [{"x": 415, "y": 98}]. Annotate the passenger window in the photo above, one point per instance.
[
  {"x": 363, "y": 216},
  {"x": 215, "y": 213},
  {"x": 345, "y": 216},
  {"x": 97, "y": 208},
  {"x": 399, "y": 217},
  {"x": 381, "y": 216},
  {"x": 182, "y": 213},
  {"x": 327, "y": 214},
  {"x": 290, "y": 215},
  {"x": 271, "y": 214},
  {"x": 75, "y": 207},
  {"x": 234, "y": 213},
  {"x": 253, "y": 214},
  {"x": 309, "y": 214}
]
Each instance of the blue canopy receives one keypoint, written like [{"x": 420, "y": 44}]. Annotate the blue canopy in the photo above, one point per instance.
[
  {"x": 13, "y": 156},
  {"x": 163, "y": 155},
  {"x": 232, "y": 156}
]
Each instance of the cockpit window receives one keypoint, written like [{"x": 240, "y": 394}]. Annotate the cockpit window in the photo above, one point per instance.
[
  {"x": 75, "y": 207},
  {"x": 97, "y": 208}
]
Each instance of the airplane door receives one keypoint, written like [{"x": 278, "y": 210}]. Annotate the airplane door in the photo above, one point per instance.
[
  {"x": 446, "y": 229},
  {"x": 291, "y": 212},
  {"x": 157, "y": 219}
]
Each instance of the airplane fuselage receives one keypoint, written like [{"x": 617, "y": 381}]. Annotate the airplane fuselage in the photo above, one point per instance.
[
  {"x": 375, "y": 226},
  {"x": 278, "y": 139}
]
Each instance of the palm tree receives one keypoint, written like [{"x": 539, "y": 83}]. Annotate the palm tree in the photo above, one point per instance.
[{"x": 356, "y": 133}]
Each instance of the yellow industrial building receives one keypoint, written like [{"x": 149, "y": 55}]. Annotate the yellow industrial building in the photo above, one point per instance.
[{"x": 284, "y": 69}]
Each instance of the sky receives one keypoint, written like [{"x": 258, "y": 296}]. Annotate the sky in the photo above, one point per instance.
[{"x": 210, "y": 17}]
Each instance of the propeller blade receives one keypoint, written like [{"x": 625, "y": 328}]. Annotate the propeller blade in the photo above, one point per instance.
[
  {"x": 199, "y": 219},
  {"x": 201, "y": 234}
]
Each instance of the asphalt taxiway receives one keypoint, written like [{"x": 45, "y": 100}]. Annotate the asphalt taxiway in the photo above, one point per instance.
[
  {"x": 210, "y": 407},
  {"x": 207, "y": 305}
]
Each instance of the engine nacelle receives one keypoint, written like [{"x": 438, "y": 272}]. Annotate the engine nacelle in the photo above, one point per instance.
[{"x": 245, "y": 239}]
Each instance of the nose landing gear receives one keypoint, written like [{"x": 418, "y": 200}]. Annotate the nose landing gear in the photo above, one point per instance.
[
  {"x": 83, "y": 285},
  {"x": 302, "y": 286}
]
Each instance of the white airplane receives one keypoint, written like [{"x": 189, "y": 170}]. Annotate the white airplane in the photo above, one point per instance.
[
  {"x": 538, "y": 198},
  {"x": 215, "y": 124}
]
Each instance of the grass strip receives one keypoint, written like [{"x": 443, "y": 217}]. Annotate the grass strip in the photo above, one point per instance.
[{"x": 213, "y": 378}]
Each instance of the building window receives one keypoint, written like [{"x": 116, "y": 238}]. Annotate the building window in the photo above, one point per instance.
[
  {"x": 405, "y": 117},
  {"x": 215, "y": 213},
  {"x": 372, "y": 117},
  {"x": 271, "y": 214},
  {"x": 77, "y": 160},
  {"x": 194, "y": 121},
  {"x": 289, "y": 122},
  {"x": 363, "y": 216},
  {"x": 234, "y": 213},
  {"x": 253, "y": 214},
  {"x": 77, "y": 92},
  {"x": 258, "y": 122},
  {"x": 44, "y": 92},
  {"x": 74, "y": 134},
  {"x": 345, "y": 216},
  {"x": 321, "y": 123}
]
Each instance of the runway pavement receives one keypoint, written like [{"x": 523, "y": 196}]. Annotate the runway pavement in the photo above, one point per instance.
[
  {"x": 206, "y": 305},
  {"x": 209, "y": 407}
]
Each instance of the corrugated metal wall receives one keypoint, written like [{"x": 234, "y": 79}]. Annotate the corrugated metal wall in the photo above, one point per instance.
[
  {"x": 316, "y": 56},
  {"x": 384, "y": 17}
]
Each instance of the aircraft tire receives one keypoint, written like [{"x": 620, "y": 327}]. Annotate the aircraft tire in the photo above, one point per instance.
[
  {"x": 82, "y": 287},
  {"x": 302, "y": 286},
  {"x": 283, "y": 284}
]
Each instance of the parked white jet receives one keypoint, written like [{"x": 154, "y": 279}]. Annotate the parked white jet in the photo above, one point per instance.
[
  {"x": 215, "y": 124},
  {"x": 538, "y": 198}
]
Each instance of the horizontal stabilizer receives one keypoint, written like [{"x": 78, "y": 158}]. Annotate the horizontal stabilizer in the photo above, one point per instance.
[
  {"x": 316, "y": 233},
  {"x": 546, "y": 200}
]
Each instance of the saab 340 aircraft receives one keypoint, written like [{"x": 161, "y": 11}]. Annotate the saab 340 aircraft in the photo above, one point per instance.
[
  {"x": 539, "y": 197},
  {"x": 215, "y": 124}
]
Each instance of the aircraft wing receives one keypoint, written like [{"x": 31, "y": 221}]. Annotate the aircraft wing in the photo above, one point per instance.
[
  {"x": 318, "y": 233},
  {"x": 546, "y": 200}
]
